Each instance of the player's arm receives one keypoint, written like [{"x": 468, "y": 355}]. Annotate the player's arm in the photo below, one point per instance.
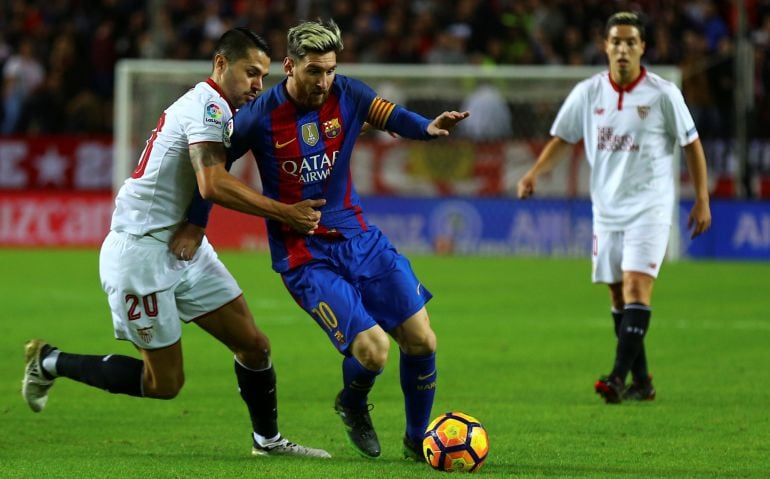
[
  {"x": 386, "y": 115},
  {"x": 217, "y": 185},
  {"x": 699, "y": 220},
  {"x": 555, "y": 150}
]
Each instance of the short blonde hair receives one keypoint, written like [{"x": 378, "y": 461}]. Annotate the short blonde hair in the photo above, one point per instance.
[{"x": 314, "y": 36}]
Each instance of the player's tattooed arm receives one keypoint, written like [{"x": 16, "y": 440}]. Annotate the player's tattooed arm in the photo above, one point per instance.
[
  {"x": 188, "y": 236},
  {"x": 217, "y": 185},
  {"x": 207, "y": 154}
]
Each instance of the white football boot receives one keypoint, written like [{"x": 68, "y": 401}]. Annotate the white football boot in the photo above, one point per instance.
[{"x": 35, "y": 385}]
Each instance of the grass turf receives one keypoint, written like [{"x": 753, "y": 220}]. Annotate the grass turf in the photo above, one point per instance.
[{"x": 520, "y": 343}]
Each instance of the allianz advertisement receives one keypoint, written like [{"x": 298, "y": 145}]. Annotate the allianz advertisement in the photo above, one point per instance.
[{"x": 740, "y": 230}]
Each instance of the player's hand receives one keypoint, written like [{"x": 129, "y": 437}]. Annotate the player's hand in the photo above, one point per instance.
[
  {"x": 186, "y": 240},
  {"x": 699, "y": 220},
  {"x": 443, "y": 123},
  {"x": 526, "y": 186},
  {"x": 303, "y": 217}
]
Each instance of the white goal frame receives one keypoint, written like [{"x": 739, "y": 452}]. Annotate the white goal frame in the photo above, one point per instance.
[{"x": 127, "y": 70}]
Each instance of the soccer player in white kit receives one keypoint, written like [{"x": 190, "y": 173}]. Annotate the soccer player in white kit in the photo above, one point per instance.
[
  {"x": 151, "y": 291},
  {"x": 630, "y": 121}
]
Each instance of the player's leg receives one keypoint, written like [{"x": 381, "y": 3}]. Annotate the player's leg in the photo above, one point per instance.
[
  {"x": 336, "y": 306},
  {"x": 113, "y": 373},
  {"x": 637, "y": 290},
  {"x": 606, "y": 260},
  {"x": 209, "y": 295},
  {"x": 643, "y": 252},
  {"x": 396, "y": 299},
  {"x": 417, "y": 344},
  {"x": 616, "y": 299},
  {"x": 234, "y": 326},
  {"x": 639, "y": 366},
  {"x": 147, "y": 317}
]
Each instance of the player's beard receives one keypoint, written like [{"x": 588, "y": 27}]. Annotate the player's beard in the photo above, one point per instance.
[{"x": 316, "y": 100}]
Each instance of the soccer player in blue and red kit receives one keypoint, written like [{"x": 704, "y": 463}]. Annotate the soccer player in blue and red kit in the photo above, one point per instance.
[{"x": 347, "y": 275}]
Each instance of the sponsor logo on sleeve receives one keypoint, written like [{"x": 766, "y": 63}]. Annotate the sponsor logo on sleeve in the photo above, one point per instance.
[{"x": 213, "y": 115}]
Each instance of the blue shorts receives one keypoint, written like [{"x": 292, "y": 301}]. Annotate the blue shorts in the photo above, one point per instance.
[{"x": 357, "y": 283}]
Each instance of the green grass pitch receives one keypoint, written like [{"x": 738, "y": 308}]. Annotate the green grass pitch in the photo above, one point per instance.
[{"x": 520, "y": 343}]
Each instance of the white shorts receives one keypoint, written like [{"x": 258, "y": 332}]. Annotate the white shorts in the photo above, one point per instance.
[
  {"x": 150, "y": 291},
  {"x": 639, "y": 249}
]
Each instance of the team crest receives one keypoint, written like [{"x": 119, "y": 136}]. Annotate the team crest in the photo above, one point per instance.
[
  {"x": 145, "y": 333},
  {"x": 643, "y": 111},
  {"x": 310, "y": 134},
  {"x": 332, "y": 128}
]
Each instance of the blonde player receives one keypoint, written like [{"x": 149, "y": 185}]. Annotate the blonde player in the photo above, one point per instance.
[
  {"x": 150, "y": 289},
  {"x": 630, "y": 121}
]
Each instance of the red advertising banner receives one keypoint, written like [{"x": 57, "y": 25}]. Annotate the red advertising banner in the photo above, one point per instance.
[
  {"x": 30, "y": 218},
  {"x": 56, "y": 163}
]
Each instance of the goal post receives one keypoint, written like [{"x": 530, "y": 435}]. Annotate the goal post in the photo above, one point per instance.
[{"x": 533, "y": 94}]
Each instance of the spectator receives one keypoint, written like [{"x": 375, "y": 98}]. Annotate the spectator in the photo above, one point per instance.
[
  {"x": 490, "y": 115},
  {"x": 22, "y": 75}
]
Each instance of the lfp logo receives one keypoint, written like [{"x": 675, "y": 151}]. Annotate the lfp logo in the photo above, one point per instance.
[{"x": 213, "y": 115}]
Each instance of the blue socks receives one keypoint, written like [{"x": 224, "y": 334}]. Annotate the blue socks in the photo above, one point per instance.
[
  {"x": 358, "y": 381},
  {"x": 418, "y": 382}
]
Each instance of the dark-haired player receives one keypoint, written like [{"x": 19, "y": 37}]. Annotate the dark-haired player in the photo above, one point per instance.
[
  {"x": 631, "y": 121},
  {"x": 150, "y": 290}
]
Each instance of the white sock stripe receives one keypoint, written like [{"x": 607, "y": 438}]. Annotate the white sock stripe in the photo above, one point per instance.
[
  {"x": 263, "y": 441},
  {"x": 49, "y": 362},
  {"x": 269, "y": 365}
]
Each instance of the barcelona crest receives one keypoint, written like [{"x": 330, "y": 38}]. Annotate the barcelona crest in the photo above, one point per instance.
[{"x": 332, "y": 128}]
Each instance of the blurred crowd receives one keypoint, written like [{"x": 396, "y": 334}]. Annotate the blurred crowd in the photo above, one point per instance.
[{"x": 57, "y": 57}]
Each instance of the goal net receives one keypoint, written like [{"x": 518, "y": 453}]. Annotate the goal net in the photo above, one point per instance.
[{"x": 477, "y": 168}]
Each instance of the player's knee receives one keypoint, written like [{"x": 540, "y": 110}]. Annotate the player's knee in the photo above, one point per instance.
[
  {"x": 636, "y": 292},
  {"x": 168, "y": 388},
  {"x": 256, "y": 352},
  {"x": 418, "y": 343},
  {"x": 371, "y": 348}
]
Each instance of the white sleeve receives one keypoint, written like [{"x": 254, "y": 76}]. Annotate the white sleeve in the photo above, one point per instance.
[
  {"x": 206, "y": 121},
  {"x": 568, "y": 124},
  {"x": 679, "y": 122}
]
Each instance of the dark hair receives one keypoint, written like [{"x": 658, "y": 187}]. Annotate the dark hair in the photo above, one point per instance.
[
  {"x": 235, "y": 44},
  {"x": 625, "y": 18}
]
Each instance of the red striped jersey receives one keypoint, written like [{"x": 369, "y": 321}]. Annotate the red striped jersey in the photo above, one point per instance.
[{"x": 304, "y": 154}]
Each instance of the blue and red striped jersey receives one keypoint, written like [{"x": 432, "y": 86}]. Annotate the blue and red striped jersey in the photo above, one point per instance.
[{"x": 303, "y": 154}]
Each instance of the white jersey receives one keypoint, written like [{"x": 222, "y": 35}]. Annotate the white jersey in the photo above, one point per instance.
[
  {"x": 630, "y": 135},
  {"x": 156, "y": 197}
]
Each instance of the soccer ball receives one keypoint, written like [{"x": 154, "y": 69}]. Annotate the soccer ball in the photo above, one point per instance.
[{"x": 455, "y": 441}]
